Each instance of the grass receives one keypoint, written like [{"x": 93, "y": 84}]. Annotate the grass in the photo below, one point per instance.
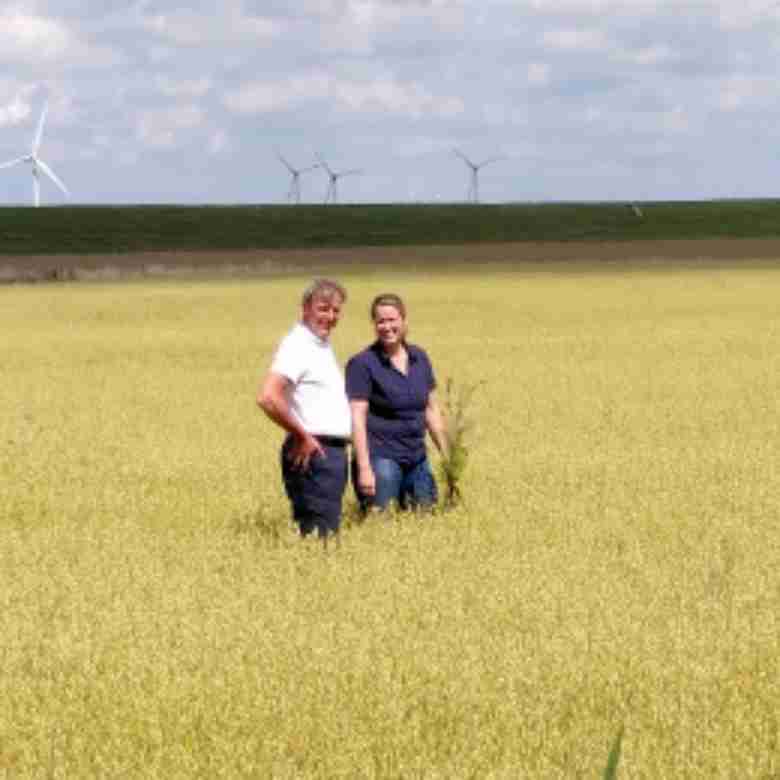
[
  {"x": 614, "y": 561},
  {"x": 116, "y": 229}
]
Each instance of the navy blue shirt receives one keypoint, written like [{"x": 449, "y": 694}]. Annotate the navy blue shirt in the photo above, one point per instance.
[{"x": 396, "y": 402}]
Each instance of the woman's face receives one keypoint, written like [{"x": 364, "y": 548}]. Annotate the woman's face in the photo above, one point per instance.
[{"x": 389, "y": 325}]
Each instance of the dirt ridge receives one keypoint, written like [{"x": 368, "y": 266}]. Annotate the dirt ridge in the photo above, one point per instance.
[{"x": 64, "y": 268}]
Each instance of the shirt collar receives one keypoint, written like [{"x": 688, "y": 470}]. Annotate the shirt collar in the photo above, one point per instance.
[
  {"x": 309, "y": 334},
  {"x": 384, "y": 358}
]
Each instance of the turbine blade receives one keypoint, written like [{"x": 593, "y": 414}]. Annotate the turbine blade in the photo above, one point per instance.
[
  {"x": 324, "y": 164},
  {"x": 50, "y": 173},
  {"x": 285, "y": 163},
  {"x": 463, "y": 157},
  {"x": 492, "y": 160},
  {"x": 39, "y": 131},
  {"x": 13, "y": 162}
]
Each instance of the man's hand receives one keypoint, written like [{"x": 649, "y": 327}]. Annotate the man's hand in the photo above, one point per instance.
[
  {"x": 272, "y": 399},
  {"x": 302, "y": 451}
]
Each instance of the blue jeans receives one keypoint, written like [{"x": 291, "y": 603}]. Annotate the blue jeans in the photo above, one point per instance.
[{"x": 411, "y": 486}]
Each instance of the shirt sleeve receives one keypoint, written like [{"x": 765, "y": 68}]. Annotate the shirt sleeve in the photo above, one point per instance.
[
  {"x": 358, "y": 378},
  {"x": 287, "y": 361},
  {"x": 431, "y": 376}
]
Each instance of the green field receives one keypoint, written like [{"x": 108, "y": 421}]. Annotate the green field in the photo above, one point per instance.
[
  {"x": 616, "y": 562},
  {"x": 106, "y": 229}
]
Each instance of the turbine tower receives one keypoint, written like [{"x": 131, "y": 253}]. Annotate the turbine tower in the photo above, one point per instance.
[
  {"x": 294, "y": 193},
  {"x": 332, "y": 195},
  {"x": 472, "y": 196},
  {"x": 36, "y": 162}
]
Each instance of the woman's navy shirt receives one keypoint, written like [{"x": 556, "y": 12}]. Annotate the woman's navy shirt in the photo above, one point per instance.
[{"x": 396, "y": 402}]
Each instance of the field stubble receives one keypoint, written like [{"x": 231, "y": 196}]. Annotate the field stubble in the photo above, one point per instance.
[{"x": 615, "y": 560}]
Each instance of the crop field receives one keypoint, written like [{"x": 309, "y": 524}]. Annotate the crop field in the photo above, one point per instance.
[
  {"x": 615, "y": 563},
  {"x": 89, "y": 230}
]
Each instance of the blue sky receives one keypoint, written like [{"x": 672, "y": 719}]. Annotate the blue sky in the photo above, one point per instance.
[{"x": 189, "y": 102}]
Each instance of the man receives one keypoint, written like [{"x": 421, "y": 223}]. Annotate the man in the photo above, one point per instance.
[{"x": 304, "y": 394}]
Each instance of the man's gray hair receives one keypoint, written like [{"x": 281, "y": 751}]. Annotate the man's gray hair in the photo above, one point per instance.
[{"x": 323, "y": 288}]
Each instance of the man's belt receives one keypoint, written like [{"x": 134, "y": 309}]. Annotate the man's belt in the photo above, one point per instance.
[{"x": 331, "y": 441}]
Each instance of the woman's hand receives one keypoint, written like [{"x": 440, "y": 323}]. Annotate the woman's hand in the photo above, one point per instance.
[{"x": 366, "y": 481}]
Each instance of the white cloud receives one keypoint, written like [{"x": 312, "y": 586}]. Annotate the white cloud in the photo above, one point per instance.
[
  {"x": 575, "y": 40},
  {"x": 538, "y": 74},
  {"x": 379, "y": 94},
  {"x": 14, "y": 112},
  {"x": 385, "y": 94},
  {"x": 218, "y": 142},
  {"x": 592, "y": 114},
  {"x": 600, "y": 7},
  {"x": 418, "y": 146},
  {"x": 746, "y": 13},
  {"x": 159, "y": 55},
  {"x": 649, "y": 56},
  {"x": 228, "y": 23},
  {"x": 32, "y": 39},
  {"x": 182, "y": 88},
  {"x": 737, "y": 92},
  {"x": 385, "y": 13},
  {"x": 382, "y": 14},
  {"x": 261, "y": 97},
  {"x": 675, "y": 121},
  {"x": 361, "y": 26},
  {"x": 161, "y": 128}
]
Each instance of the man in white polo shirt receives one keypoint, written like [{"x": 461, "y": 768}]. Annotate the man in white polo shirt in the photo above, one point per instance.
[{"x": 304, "y": 394}]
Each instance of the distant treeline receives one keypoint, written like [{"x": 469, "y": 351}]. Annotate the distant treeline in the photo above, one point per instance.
[{"x": 109, "y": 229}]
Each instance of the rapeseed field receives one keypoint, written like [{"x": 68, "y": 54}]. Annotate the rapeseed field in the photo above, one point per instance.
[{"x": 614, "y": 563}]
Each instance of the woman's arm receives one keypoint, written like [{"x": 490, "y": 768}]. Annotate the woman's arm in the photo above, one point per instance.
[
  {"x": 366, "y": 479},
  {"x": 434, "y": 422}
]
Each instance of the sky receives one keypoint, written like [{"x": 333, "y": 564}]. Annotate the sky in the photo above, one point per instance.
[{"x": 168, "y": 101}]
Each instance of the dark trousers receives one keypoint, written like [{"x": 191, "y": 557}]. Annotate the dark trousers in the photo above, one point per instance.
[{"x": 315, "y": 493}]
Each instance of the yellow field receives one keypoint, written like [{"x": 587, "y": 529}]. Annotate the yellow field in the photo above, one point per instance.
[{"x": 617, "y": 560}]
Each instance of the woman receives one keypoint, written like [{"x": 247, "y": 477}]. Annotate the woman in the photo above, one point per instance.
[{"x": 390, "y": 386}]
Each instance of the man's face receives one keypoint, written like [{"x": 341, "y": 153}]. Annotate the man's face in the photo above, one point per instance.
[{"x": 321, "y": 314}]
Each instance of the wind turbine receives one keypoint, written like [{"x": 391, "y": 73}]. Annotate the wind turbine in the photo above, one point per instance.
[
  {"x": 36, "y": 162},
  {"x": 294, "y": 193},
  {"x": 472, "y": 196},
  {"x": 332, "y": 195}
]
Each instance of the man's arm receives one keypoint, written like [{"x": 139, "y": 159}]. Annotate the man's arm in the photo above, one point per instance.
[{"x": 272, "y": 399}]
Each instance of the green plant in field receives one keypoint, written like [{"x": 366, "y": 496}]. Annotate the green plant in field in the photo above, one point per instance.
[
  {"x": 457, "y": 425},
  {"x": 610, "y": 771}
]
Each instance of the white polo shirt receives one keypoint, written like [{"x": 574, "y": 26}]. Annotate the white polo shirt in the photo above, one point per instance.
[{"x": 317, "y": 397}]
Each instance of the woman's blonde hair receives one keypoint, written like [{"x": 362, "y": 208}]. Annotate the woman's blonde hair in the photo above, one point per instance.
[{"x": 388, "y": 299}]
